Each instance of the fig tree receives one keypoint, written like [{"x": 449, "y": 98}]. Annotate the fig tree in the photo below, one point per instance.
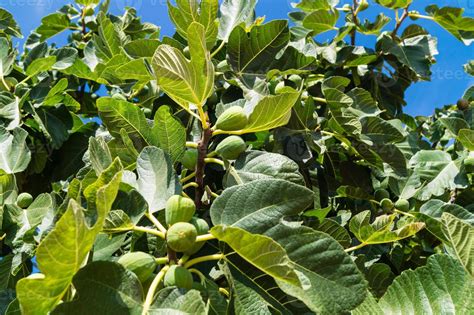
[
  {"x": 386, "y": 204},
  {"x": 202, "y": 228},
  {"x": 402, "y": 205}
]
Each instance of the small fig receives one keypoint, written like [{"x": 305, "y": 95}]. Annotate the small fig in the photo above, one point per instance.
[
  {"x": 202, "y": 228},
  {"x": 386, "y": 204},
  {"x": 231, "y": 147},
  {"x": 381, "y": 194},
  {"x": 24, "y": 200},
  {"x": 402, "y": 205},
  {"x": 189, "y": 159},
  {"x": 181, "y": 236},
  {"x": 231, "y": 119},
  {"x": 140, "y": 263},
  {"x": 179, "y": 209},
  {"x": 178, "y": 276},
  {"x": 363, "y": 5},
  {"x": 463, "y": 104}
]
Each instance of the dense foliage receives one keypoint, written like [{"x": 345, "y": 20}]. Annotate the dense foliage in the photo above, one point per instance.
[{"x": 240, "y": 166}]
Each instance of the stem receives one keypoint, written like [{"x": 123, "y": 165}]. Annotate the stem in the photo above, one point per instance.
[
  {"x": 192, "y": 184},
  {"x": 205, "y": 237},
  {"x": 183, "y": 260},
  {"x": 3, "y": 236},
  {"x": 190, "y": 144},
  {"x": 224, "y": 292},
  {"x": 201, "y": 164},
  {"x": 213, "y": 160},
  {"x": 355, "y": 11},
  {"x": 25, "y": 79},
  {"x": 203, "y": 259},
  {"x": 215, "y": 52},
  {"x": 404, "y": 213},
  {"x": 149, "y": 231},
  {"x": 155, "y": 221},
  {"x": 199, "y": 274},
  {"x": 151, "y": 291},
  {"x": 400, "y": 21},
  {"x": 350, "y": 249},
  {"x": 190, "y": 176},
  {"x": 161, "y": 260}
]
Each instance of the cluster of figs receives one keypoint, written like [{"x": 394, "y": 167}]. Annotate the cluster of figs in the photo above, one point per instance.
[{"x": 183, "y": 229}]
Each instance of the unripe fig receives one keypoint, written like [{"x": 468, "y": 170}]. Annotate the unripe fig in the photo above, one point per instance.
[
  {"x": 280, "y": 87},
  {"x": 178, "y": 276},
  {"x": 24, "y": 200},
  {"x": 296, "y": 79},
  {"x": 181, "y": 236},
  {"x": 88, "y": 11},
  {"x": 231, "y": 119},
  {"x": 386, "y": 204},
  {"x": 363, "y": 5},
  {"x": 140, "y": 263},
  {"x": 189, "y": 159},
  {"x": 463, "y": 104},
  {"x": 186, "y": 52},
  {"x": 231, "y": 147},
  {"x": 179, "y": 209},
  {"x": 202, "y": 228},
  {"x": 402, "y": 205},
  {"x": 381, "y": 194}
]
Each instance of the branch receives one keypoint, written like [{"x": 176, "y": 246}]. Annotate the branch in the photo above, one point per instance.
[
  {"x": 201, "y": 165},
  {"x": 399, "y": 22}
]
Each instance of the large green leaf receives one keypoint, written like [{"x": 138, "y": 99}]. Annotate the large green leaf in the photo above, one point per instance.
[
  {"x": 8, "y": 24},
  {"x": 118, "y": 114},
  {"x": 109, "y": 40},
  {"x": 320, "y": 21},
  {"x": 7, "y": 57},
  {"x": 466, "y": 137},
  {"x": 331, "y": 282},
  {"x": 440, "y": 287},
  {"x": 53, "y": 24},
  {"x": 171, "y": 134},
  {"x": 261, "y": 251},
  {"x": 381, "y": 230},
  {"x": 40, "y": 65},
  {"x": 253, "y": 53},
  {"x": 61, "y": 254},
  {"x": 186, "y": 81},
  {"x": 255, "y": 165},
  {"x": 453, "y": 21},
  {"x": 157, "y": 180},
  {"x": 460, "y": 236},
  {"x": 234, "y": 12},
  {"x": 438, "y": 171},
  {"x": 260, "y": 203},
  {"x": 174, "y": 301},
  {"x": 104, "y": 287},
  {"x": 394, "y": 4},
  {"x": 14, "y": 152},
  {"x": 189, "y": 11}
]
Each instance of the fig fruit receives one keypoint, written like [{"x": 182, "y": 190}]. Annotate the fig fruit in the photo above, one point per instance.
[
  {"x": 140, "y": 263},
  {"x": 181, "y": 236},
  {"x": 381, "y": 194},
  {"x": 231, "y": 119},
  {"x": 462, "y": 104},
  {"x": 178, "y": 276},
  {"x": 402, "y": 205},
  {"x": 231, "y": 147},
  {"x": 189, "y": 159},
  {"x": 202, "y": 228},
  {"x": 179, "y": 209},
  {"x": 386, "y": 204},
  {"x": 24, "y": 200}
]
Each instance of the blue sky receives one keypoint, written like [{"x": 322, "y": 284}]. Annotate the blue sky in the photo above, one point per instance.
[{"x": 448, "y": 81}]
